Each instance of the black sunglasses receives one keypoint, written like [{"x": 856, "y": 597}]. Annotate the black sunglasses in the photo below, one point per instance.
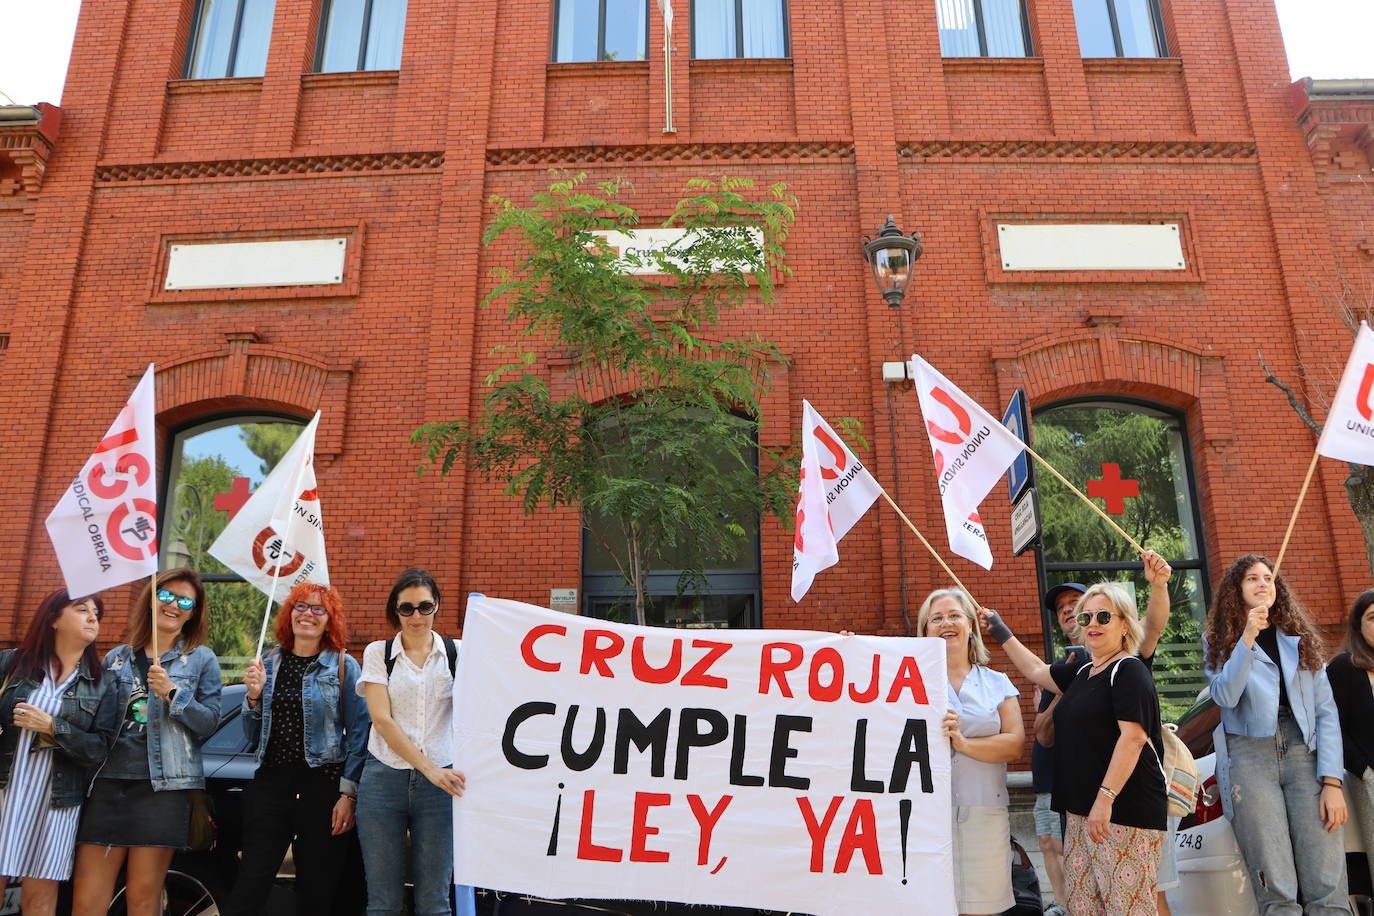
[
  {"x": 1086, "y": 617},
  {"x": 424, "y": 607}
]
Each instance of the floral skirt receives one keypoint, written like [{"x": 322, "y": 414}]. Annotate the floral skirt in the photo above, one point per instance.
[{"x": 1117, "y": 877}]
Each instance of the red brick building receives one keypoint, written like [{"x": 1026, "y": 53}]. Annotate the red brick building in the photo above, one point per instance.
[{"x": 1118, "y": 208}]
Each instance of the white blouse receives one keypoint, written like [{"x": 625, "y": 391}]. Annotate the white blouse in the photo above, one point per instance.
[
  {"x": 976, "y": 782},
  {"x": 421, "y": 700}
]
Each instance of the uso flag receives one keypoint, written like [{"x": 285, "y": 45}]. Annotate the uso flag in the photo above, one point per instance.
[
  {"x": 1349, "y": 431},
  {"x": 104, "y": 528},
  {"x": 835, "y": 491},
  {"x": 972, "y": 451},
  {"x": 278, "y": 535}
]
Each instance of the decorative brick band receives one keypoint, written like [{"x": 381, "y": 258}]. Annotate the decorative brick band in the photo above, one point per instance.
[
  {"x": 1059, "y": 150},
  {"x": 656, "y": 153},
  {"x": 266, "y": 168}
]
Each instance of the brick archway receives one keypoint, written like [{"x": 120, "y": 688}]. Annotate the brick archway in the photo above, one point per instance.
[{"x": 245, "y": 374}]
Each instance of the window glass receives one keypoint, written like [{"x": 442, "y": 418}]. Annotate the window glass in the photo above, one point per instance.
[
  {"x": 1135, "y": 22},
  {"x": 214, "y": 467},
  {"x": 255, "y": 32},
  {"x": 764, "y": 31},
  {"x": 958, "y": 28},
  {"x": 713, "y": 28},
  {"x": 343, "y": 33},
  {"x": 230, "y": 38},
  {"x": 358, "y": 35},
  {"x": 1134, "y": 461},
  {"x": 1094, "y": 28},
  {"x": 579, "y": 28},
  {"x": 625, "y": 29},
  {"x": 1003, "y": 27}
]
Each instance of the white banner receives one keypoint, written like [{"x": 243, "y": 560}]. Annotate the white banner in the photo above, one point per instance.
[
  {"x": 777, "y": 769},
  {"x": 972, "y": 451},
  {"x": 281, "y": 526},
  {"x": 104, "y": 528},
  {"x": 1349, "y": 431},
  {"x": 834, "y": 492}
]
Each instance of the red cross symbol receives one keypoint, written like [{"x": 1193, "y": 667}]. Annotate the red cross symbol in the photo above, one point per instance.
[
  {"x": 233, "y": 501},
  {"x": 1113, "y": 489}
]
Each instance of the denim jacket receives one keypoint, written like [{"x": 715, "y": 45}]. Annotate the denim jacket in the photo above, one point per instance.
[
  {"x": 83, "y": 730},
  {"x": 334, "y": 733},
  {"x": 175, "y": 731},
  {"x": 1247, "y": 691}
]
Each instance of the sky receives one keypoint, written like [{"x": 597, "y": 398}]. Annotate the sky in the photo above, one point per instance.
[{"x": 1326, "y": 39}]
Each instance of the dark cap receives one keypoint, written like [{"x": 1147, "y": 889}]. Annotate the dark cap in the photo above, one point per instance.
[{"x": 1053, "y": 594}]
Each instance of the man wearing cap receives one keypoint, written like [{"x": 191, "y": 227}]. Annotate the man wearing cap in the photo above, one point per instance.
[{"x": 1060, "y": 602}]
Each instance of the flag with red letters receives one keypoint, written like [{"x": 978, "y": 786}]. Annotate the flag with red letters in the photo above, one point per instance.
[
  {"x": 1349, "y": 431},
  {"x": 834, "y": 493},
  {"x": 972, "y": 451},
  {"x": 104, "y": 528}
]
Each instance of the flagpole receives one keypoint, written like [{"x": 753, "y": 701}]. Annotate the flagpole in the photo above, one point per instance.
[
  {"x": 152, "y": 610},
  {"x": 276, "y": 570},
  {"x": 1302, "y": 494},
  {"x": 1079, "y": 493},
  {"x": 933, "y": 553}
]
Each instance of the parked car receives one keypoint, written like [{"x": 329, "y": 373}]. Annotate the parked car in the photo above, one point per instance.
[
  {"x": 198, "y": 883},
  {"x": 1212, "y": 876}
]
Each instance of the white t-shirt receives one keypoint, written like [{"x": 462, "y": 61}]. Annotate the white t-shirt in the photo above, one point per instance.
[
  {"x": 421, "y": 700},
  {"x": 974, "y": 782}
]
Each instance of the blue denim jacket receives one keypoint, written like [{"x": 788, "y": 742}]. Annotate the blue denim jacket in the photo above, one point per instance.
[
  {"x": 333, "y": 733},
  {"x": 83, "y": 729},
  {"x": 175, "y": 732},
  {"x": 1247, "y": 691}
]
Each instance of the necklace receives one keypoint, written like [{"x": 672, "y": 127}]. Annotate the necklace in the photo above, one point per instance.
[{"x": 1096, "y": 669}]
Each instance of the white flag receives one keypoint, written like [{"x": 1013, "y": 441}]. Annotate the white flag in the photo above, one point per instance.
[
  {"x": 836, "y": 490},
  {"x": 1349, "y": 431},
  {"x": 104, "y": 528},
  {"x": 666, "y": 8},
  {"x": 279, "y": 532},
  {"x": 972, "y": 451}
]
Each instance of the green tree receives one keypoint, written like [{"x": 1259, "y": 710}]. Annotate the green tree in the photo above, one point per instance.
[
  {"x": 269, "y": 441},
  {"x": 669, "y": 468}
]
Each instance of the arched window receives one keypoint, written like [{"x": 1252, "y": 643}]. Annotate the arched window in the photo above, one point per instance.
[
  {"x": 1135, "y": 459},
  {"x": 213, "y": 467},
  {"x": 726, "y": 592}
]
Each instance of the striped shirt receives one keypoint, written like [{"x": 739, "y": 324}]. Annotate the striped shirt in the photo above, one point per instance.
[{"x": 36, "y": 840}]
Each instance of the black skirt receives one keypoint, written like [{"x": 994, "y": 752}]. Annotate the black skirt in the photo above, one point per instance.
[{"x": 127, "y": 812}]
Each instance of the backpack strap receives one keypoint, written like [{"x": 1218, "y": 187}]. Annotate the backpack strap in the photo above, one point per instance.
[
  {"x": 451, "y": 649},
  {"x": 388, "y": 657}
]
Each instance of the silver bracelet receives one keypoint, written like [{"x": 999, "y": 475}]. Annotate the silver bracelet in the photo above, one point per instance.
[{"x": 1107, "y": 792}]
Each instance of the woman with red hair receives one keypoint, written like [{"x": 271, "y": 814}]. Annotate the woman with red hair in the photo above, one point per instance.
[{"x": 303, "y": 716}]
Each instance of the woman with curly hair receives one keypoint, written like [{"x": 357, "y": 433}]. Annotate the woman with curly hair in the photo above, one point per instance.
[
  {"x": 303, "y": 717},
  {"x": 1279, "y": 760},
  {"x": 1352, "y": 683}
]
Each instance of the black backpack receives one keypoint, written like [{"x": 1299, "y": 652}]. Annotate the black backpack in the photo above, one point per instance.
[{"x": 450, "y": 649}]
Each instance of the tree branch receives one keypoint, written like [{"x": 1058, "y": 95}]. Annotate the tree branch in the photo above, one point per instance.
[{"x": 1297, "y": 405}]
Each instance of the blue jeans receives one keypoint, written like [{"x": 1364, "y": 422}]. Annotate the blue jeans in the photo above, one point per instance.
[
  {"x": 1276, "y": 814},
  {"x": 392, "y": 803}
]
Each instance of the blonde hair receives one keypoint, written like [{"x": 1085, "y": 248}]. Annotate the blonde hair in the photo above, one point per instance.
[
  {"x": 977, "y": 652},
  {"x": 1124, "y": 605}
]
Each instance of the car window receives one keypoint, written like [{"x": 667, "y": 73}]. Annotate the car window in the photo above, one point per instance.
[
  {"x": 1195, "y": 727},
  {"x": 228, "y": 738}
]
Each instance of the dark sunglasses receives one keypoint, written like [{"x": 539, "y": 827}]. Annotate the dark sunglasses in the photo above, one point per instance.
[
  {"x": 424, "y": 607},
  {"x": 300, "y": 607},
  {"x": 167, "y": 596},
  {"x": 1086, "y": 617}
]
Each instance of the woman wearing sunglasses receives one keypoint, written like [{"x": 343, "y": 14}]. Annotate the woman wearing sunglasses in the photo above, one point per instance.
[
  {"x": 1107, "y": 746},
  {"x": 57, "y": 719},
  {"x": 1279, "y": 753},
  {"x": 408, "y": 782},
  {"x": 138, "y": 813},
  {"x": 303, "y": 717}
]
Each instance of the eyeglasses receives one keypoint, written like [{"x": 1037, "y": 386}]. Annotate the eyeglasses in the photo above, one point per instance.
[
  {"x": 1086, "y": 617},
  {"x": 167, "y": 596},
  {"x": 424, "y": 607},
  {"x": 300, "y": 607}
]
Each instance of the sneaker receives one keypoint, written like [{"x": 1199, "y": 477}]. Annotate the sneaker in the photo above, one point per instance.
[{"x": 1055, "y": 909}]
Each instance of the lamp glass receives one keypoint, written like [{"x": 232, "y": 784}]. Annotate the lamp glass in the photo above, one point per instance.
[{"x": 892, "y": 269}]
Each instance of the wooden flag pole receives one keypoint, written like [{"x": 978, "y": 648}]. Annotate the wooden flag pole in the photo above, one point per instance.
[
  {"x": 1302, "y": 494},
  {"x": 1079, "y": 493},
  {"x": 152, "y": 612},
  {"x": 938, "y": 559}
]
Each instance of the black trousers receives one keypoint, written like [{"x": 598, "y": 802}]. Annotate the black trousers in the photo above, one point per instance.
[{"x": 293, "y": 808}]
